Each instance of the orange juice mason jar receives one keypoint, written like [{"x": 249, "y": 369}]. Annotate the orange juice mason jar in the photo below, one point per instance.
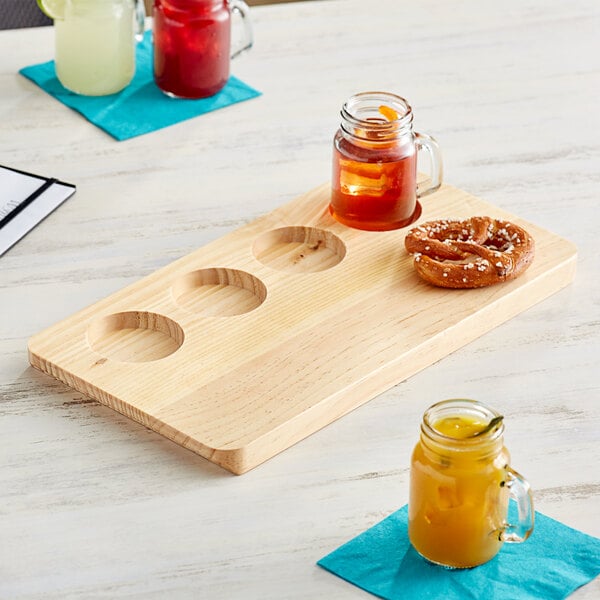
[{"x": 460, "y": 485}]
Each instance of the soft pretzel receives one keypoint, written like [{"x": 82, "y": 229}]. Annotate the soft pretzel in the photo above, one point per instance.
[{"x": 473, "y": 253}]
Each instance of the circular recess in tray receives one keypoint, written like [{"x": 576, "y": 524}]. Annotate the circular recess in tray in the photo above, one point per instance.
[
  {"x": 299, "y": 249},
  {"x": 135, "y": 336},
  {"x": 219, "y": 292}
]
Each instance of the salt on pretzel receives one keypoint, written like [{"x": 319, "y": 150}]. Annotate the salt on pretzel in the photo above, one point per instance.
[{"x": 473, "y": 253}]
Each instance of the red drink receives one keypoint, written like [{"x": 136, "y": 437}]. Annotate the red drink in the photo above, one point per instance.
[
  {"x": 191, "y": 46},
  {"x": 373, "y": 185}
]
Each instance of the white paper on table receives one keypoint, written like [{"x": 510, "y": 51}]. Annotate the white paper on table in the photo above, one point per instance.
[{"x": 25, "y": 200}]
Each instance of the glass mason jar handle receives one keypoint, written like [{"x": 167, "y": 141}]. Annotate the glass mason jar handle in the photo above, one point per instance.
[
  {"x": 519, "y": 490},
  {"x": 241, "y": 8},
  {"x": 433, "y": 182},
  {"x": 140, "y": 20}
]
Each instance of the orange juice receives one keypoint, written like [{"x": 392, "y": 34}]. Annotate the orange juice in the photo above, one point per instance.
[{"x": 458, "y": 493}]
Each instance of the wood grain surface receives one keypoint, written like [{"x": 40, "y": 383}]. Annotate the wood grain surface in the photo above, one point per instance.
[
  {"x": 343, "y": 317},
  {"x": 94, "y": 505}
]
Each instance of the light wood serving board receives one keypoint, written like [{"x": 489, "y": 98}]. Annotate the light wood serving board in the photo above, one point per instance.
[{"x": 260, "y": 338}]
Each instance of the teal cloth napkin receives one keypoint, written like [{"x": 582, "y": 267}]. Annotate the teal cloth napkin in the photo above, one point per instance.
[
  {"x": 551, "y": 564},
  {"x": 141, "y": 107}
]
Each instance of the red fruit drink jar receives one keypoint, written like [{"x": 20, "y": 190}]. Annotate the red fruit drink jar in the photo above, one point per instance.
[{"x": 192, "y": 45}]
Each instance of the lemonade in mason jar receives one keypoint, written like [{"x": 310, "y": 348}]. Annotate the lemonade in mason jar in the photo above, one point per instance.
[
  {"x": 460, "y": 485},
  {"x": 95, "y": 43}
]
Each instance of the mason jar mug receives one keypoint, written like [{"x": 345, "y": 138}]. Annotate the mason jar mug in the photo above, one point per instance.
[
  {"x": 95, "y": 44},
  {"x": 374, "y": 176},
  {"x": 460, "y": 484},
  {"x": 192, "y": 45}
]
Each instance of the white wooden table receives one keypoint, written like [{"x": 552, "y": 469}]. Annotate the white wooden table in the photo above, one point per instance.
[{"x": 93, "y": 505}]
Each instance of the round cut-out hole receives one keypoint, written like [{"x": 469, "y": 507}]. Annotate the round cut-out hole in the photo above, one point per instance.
[
  {"x": 135, "y": 336},
  {"x": 219, "y": 292},
  {"x": 299, "y": 249}
]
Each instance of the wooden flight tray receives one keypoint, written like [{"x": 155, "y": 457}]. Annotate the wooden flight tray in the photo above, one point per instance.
[{"x": 260, "y": 338}]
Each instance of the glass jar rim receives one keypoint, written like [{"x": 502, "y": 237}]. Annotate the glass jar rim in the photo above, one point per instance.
[
  {"x": 454, "y": 406},
  {"x": 361, "y": 113}
]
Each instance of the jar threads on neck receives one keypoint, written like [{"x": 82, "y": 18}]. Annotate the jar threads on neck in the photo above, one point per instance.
[
  {"x": 376, "y": 116},
  {"x": 461, "y": 426}
]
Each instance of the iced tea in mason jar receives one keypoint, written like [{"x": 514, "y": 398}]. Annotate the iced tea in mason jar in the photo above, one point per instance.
[{"x": 374, "y": 178}]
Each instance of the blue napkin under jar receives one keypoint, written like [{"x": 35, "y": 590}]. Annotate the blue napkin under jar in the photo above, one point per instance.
[
  {"x": 141, "y": 107},
  {"x": 550, "y": 565}
]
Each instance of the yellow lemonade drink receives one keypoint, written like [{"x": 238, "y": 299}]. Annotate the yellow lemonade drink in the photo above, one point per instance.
[
  {"x": 458, "y": 494},
  {"x": 95, "y": 46}
]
